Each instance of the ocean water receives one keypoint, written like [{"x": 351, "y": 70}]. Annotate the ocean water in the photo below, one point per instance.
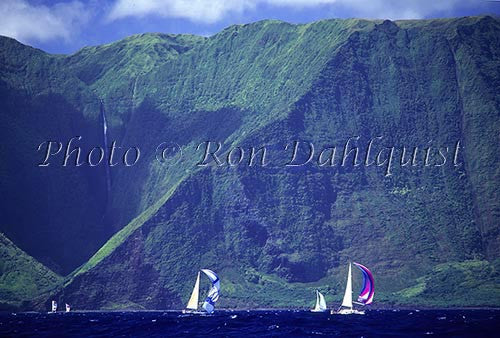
[{"x": 396, "y": 323}]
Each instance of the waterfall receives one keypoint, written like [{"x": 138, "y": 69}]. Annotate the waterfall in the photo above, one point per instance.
[{"x": 106, "y": 150}]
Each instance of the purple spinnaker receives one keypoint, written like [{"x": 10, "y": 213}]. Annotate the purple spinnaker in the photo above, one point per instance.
[{"x": 368, "y": 288}]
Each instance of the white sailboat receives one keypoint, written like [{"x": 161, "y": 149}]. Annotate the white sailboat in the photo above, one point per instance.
[
  {"x": 68, "y": 308},
  {"x": 365, "y": 297},
  {"x": 54, "y": 307},
  {"x": 320, "y": 303},
  {"x": 212, "y": 297}
]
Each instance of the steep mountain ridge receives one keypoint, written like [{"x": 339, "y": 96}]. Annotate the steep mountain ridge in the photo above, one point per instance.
[{"x": 22, "y": 278}]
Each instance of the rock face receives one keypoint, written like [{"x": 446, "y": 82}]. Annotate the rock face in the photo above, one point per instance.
[{"x": 428, "y": 90}]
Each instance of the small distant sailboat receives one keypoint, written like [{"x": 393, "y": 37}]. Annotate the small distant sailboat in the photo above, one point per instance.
[
  {"x": 68, "y": 308},
  {"x": 54, "y": 307},
  {"x": 320, "y": 303},
  {"x": 212, "y": 297},
  {"x": 365, "y": 296}
]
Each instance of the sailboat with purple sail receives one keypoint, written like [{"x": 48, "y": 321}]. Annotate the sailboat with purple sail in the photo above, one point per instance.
[{"x": 365, "y": 296}]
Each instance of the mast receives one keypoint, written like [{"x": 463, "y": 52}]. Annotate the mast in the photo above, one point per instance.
[{"x": 193, "y": 300}]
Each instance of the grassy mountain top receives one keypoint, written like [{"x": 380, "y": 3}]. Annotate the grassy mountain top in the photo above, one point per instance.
[{"x": 131, "y": 56}]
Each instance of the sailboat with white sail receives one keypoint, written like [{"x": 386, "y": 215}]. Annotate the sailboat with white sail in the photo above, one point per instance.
[
  {"x": 212, "y": 297},
  {"x": 365, "y": 296},
  {"x": 68, "y": 308},
  {"x": 53, "y": 307},
  {"x": 320, "y": 303}
]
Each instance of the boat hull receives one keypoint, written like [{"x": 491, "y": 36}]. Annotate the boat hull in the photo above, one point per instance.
[
  {"x": 347, "y": 312},
  {"x": 194, "y": 312}
]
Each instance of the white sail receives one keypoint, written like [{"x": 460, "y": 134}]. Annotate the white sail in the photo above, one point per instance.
[
  {"x": 347, "y": 302},
  {"x": 193, "y": 301},
  {"x": 54, "y": 306},
  {"x": 68, "y": 308},
  {"x": 322, "y": 302},
  {"x": 316, "y": 307}
]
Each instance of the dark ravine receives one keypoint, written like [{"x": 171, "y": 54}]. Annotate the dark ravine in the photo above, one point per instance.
[{"x": 275, "y": 233}]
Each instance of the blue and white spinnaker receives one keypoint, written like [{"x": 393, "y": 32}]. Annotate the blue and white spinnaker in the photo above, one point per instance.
[{"x": 213, "y": 294}]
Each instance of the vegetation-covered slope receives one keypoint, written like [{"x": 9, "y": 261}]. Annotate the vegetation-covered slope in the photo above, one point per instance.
[
  {"x": 275, "y": 233},
  {"x": 22, "y": 278}
]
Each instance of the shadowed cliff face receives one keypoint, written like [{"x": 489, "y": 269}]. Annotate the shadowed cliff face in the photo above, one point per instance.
[
  {"x": 403, "y": 84},
  {"x": 52, "y": 212}
]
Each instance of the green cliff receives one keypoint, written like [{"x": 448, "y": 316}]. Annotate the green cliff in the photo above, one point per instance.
[
  {"x": 274, "y": 233},
  {"x": 22, "y": 279}
]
